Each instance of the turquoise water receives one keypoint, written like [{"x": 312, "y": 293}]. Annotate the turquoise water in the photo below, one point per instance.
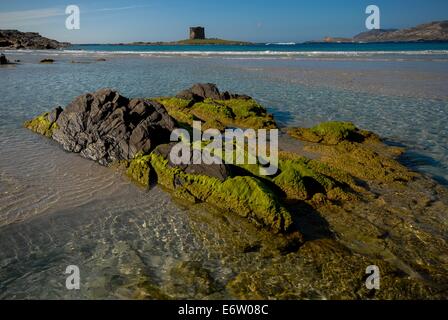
[
  {"x": 286, "y": 47},
  {"x": 58, "y": 209}
]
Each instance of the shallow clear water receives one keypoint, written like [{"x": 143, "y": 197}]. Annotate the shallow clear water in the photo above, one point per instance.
[{"x": 58, "y": 209}]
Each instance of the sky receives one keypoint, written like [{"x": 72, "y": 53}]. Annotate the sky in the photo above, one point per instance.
[{"x": 116, "y": 21}]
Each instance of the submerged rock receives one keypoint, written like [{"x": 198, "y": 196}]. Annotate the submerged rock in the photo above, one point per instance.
[{"x": 47, "y": 61}]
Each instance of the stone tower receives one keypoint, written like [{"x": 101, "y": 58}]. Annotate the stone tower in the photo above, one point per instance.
[{"x": 197, "y": 33}]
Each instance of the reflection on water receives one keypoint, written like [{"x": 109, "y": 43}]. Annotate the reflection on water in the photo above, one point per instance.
[{"x": 57, "y": 209}]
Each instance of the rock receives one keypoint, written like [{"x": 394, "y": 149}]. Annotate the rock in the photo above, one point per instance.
[
  {"x": 106, "y": 127},
  {"x": 54, "y": 114},
  {"x": 218, "y": 171},
  {"x": 15, "y": 39},
  {"x": 331, "y": 133},
  {"x": 247, "y": 196},
  {"x": 217, "y": 110},
  {"x": 434, "y": 31},
  {"x": 46, "y": 61},
  {"x": 3, "y": 59},
  {"x": 202, "y": 91}
]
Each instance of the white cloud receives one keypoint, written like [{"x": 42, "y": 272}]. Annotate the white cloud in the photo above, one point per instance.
[
  {"x": 34, "y": 17},
  {"x": 120, "y": 8},
  {"x": 15, "y": 16}
]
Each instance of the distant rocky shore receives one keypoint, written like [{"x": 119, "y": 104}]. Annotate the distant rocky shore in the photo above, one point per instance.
[
  {"x": 428, "y": 32},
  {"x": 14, "y": 39}
]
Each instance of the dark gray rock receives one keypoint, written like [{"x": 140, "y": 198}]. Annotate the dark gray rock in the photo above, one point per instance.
[
  {"x": 202, "y": 91},
  {"x": 3, "y": 59},
  {"x": 46, "y": 61},
  {"x": 53, "y": 115},
  {"x": 105, "y": 126},
  {"x": 218, "y": 171}
]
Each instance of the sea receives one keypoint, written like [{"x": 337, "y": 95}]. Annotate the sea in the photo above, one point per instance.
[{"x": 58, "y": 209}]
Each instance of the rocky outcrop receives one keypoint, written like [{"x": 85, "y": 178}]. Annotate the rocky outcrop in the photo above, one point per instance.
[
  {"x": 434, "y": 31},
  {"x": 331, "y": 133},
  {"x": 106, "y": 127},
  {"x": 204, "y": 102},
  {"x": 14, "y": 39},
  {"x": 326, "y": 216}
]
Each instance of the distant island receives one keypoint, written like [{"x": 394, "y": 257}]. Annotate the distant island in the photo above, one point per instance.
[
  {"x": 14, "y": 39},
  {"x": 197, "y": 38},
  {"x": 193, "y": 42},
  {"x": 433, "y": 31}
]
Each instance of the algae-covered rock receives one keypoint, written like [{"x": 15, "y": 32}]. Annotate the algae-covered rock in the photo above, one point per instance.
[
  {"x": 375, "y": 162},
  {"x": 216, "y": 110},
  {"x": 246, "y": 196},
  {"x": 340, "y": 202},
  {"x": 331, "y": 133},
  {"x": 358, "y": 153},
  {"x": 139, "y": 170},
  {"x": 45, "y": 124}
]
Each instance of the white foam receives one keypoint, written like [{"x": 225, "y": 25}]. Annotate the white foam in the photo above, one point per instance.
[{"x": 265, "y": 53}]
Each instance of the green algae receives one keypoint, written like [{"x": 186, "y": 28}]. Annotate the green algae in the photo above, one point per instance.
[
  {"x": 331, "y": 133},
  {"x": 139, "y": 169},
  {"x": 364, "y": 161},
  {"x": 247, "y": 196},
  {"x": 249, "y": 114},
  {"x": 219, "y": 114},
  {"x": 42, "y": 125},
  {"x": 209, "y": 110},
  {"x": 301, "y": 178}
]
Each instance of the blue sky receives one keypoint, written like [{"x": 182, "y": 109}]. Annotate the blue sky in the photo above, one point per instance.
[{"x": 250, "y": 20}]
